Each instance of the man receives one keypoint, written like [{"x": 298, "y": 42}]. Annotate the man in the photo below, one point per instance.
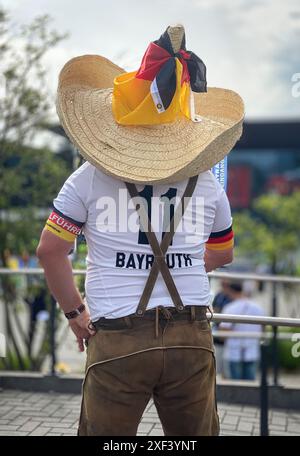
[
  {"x": 241, "y": 354},
  {"x": 149, "y": 145}
]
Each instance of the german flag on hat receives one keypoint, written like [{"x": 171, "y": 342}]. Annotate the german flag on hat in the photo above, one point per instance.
[{"x": 161, "y": 90}]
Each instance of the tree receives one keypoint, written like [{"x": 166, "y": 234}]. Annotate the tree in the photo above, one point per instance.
[
  {"x": 24, "y": 95},
  {"x": 272, "y": 232},
  {"x": 29, "y": 178},
  {"x": 271, "y": 235}
]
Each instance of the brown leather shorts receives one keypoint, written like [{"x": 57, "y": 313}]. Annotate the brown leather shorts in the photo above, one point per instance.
[{"x": 170, "y": 359}]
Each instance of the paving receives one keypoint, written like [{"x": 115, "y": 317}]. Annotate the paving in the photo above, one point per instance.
[{"x": 39, "y": 414}]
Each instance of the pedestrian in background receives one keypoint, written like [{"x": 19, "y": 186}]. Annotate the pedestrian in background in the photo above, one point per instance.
[{"x": 242, "y": 354}]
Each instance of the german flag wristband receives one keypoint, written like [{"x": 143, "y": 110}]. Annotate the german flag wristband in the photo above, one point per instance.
[
  {"x": 62, "y": 226},
  {"x": 221, "y": 240}
]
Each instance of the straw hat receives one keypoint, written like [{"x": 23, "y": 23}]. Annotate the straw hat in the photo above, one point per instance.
[{"x": 155, "y": 153}]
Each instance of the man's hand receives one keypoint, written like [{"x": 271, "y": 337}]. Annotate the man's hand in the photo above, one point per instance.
[
  {"x": 81, "y": 329},
  {"x": 52, "y": 251}
]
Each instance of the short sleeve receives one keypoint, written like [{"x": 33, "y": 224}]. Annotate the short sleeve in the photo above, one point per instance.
[
  {"x": 223, "y": 217},
  {"x": 221, "y": 236},
  {"x": 69, "y": 207},
  {"x": 69, "y": 203}
]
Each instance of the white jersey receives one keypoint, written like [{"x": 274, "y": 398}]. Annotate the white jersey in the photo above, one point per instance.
[{"x": 119, "y": 257}]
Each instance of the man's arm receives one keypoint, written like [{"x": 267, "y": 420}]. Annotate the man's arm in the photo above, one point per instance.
[
  {"x": 53, "y": 253},
  {"x": 219, "y": 246},
  {"x": 215, "y": 259}
]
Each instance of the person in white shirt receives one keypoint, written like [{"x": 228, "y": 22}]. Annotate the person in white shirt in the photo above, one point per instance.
[
  {"x": 155, "y": 220},
  {"x": 119, "y": 255},
  {"x": 241, "y": 354}
]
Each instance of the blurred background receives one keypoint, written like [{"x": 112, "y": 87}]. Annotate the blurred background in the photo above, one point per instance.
[{"x": 251, "y": 47}]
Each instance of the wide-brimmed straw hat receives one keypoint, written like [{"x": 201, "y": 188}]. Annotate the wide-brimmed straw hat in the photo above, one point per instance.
[{"x": 94, "y": 114}]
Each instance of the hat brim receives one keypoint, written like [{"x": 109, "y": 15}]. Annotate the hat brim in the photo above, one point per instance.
[{"x": 143, "y": 154}]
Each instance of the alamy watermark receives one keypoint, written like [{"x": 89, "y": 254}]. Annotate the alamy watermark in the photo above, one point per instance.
[
  {"x": 296, "y": 346},
  {"x": 296, "y": 86},
  {"x": 123, "y": 215}
]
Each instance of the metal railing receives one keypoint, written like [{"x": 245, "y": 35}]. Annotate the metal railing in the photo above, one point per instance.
[
  {"x": 274, "y": 281},
  {"x": 249, "y": 335},
  {"x": 217, "y": 275},
  {"x": 254, "y": 276},
  {"x": 264, "y": 321},
  {"x": 255, "y": 320},
  {"x": 272, "y": 321},
  {"x": 263, "y": 337}
]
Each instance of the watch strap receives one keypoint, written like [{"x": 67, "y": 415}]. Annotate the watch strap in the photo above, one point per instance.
[{"x": 75, "y": 313}]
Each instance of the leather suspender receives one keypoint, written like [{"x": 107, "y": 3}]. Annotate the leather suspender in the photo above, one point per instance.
[{"x": 159, "y": 250}]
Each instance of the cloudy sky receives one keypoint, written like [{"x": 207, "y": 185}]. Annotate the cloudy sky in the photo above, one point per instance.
[{"x": 251, "y": 46}]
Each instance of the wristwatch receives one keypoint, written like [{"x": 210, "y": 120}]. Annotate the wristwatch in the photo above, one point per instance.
[{"x": 75, "y": 313}]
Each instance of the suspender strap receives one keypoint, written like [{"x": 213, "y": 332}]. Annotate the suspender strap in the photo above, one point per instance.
[{"x": 159, "y": 251}]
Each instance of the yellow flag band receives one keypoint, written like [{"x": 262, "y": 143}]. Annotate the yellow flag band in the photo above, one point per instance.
[
  {"x": 221, "y": 240},
  {"x": 62, "y": 226},
  {"x": 133, "y": 102},
  {"x": 220, "y": 246}
]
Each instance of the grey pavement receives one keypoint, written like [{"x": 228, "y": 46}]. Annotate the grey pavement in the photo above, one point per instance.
[{"x": 39, "y": 414}]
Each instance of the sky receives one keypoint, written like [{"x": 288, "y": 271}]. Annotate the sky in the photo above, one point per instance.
[{"x": 250, "y": 46}]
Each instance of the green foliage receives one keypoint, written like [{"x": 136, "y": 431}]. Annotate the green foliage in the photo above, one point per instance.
[
  {"x": 270, "y": 234},
  {"x": 79, "y": 262},
  {"x": 29, "y": 178},
  {"x": 13, "y": 361},
  {"x": 24, "y": 100}
]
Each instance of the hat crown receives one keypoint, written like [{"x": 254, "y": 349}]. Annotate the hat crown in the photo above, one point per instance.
[
  {"x": 161, "y": 90},
  {"x": 176, "y": 34}
]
